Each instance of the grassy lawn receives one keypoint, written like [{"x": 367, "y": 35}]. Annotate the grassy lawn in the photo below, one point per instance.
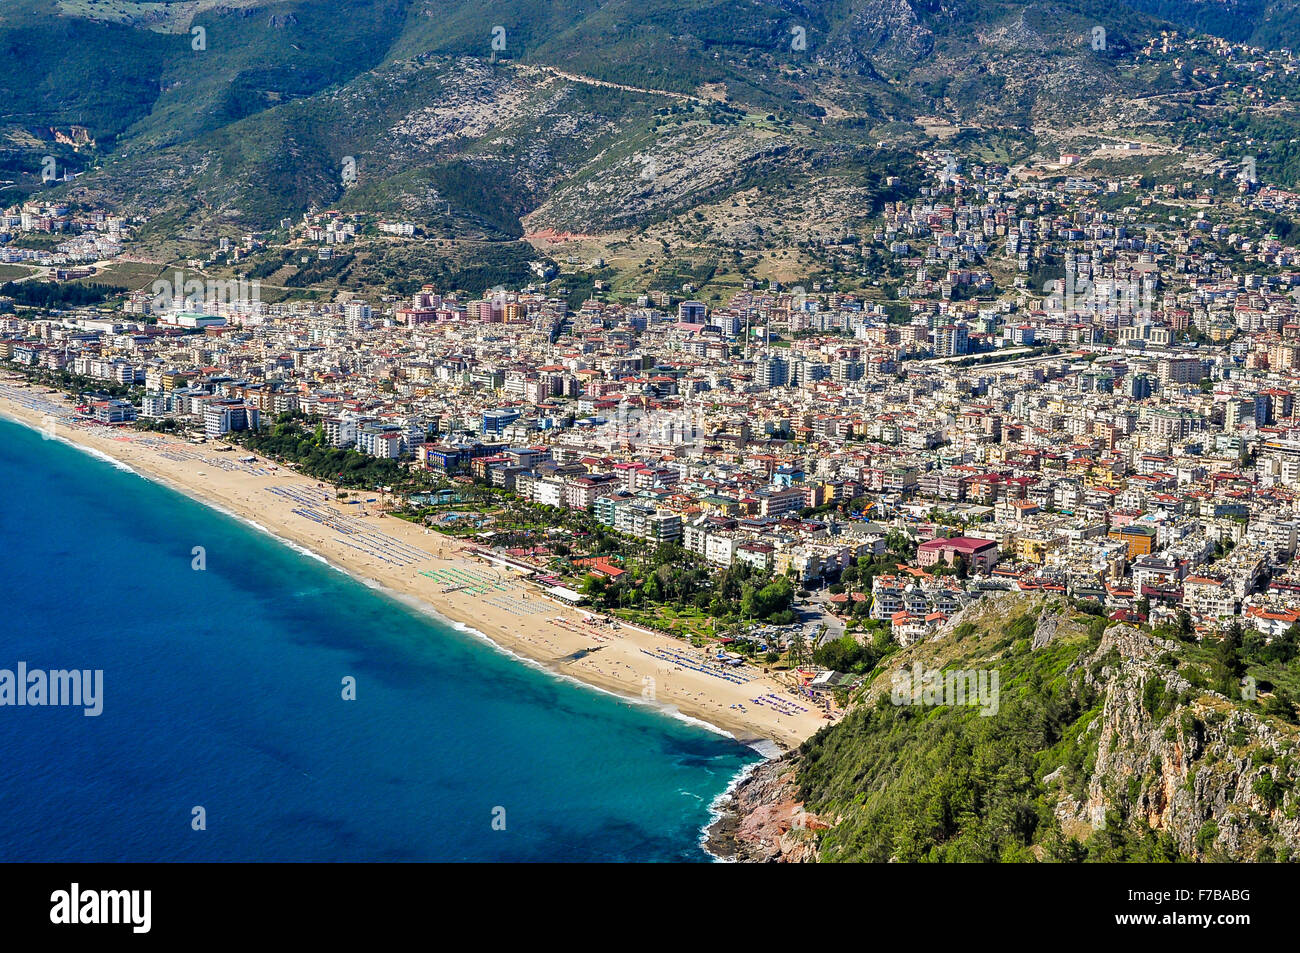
[
  {"x": 14, "y": 272},
  {"x": 132, "y": 275},
  {"x": 686, "y": 623}
]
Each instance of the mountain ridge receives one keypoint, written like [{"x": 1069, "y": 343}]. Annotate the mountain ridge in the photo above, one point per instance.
[{"x": 578, "y": 116}]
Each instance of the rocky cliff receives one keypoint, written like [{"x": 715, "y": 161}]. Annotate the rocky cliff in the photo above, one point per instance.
[
  {"x": 763, "y": 821},
  {"x": 1216, "y": 776}
]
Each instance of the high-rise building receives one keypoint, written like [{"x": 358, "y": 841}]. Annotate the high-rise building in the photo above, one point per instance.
[
  {"x": 952, "y": 340},
  {"x": 772, "y": 371}
]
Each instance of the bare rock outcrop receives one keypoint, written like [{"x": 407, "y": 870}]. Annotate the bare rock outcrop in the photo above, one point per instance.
[{"x": 762, "y": 820}]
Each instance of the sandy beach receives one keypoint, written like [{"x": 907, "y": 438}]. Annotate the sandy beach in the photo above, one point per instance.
[{"x": 441, "y": 575}]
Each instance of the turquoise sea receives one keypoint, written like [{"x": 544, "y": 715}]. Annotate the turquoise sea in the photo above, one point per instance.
[{"x": 222, "y": 690}]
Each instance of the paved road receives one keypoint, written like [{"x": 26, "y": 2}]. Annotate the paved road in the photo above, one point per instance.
[{"x": 814, "y": 614}]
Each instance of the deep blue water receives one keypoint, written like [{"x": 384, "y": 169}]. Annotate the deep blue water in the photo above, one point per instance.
[{"x": 222, "y": 689}]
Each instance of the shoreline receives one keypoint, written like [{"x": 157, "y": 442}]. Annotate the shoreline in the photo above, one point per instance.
[{"x": 500, "y": 608}]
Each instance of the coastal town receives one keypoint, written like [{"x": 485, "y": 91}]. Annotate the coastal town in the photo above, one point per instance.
[
  {"x": 659, "y": 432},
  {"x": 1075, "y": 384}
]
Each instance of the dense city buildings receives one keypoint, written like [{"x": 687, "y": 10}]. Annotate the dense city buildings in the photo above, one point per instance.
[{"x": 1125, "y": 433}]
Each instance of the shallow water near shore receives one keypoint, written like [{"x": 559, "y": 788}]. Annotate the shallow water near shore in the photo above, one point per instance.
[{"x": 223, "y": 691}]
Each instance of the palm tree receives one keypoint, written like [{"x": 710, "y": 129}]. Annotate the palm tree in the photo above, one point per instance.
[{"x": 798, "y": 648}]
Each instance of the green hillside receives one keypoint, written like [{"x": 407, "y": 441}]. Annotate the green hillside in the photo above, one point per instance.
[
  {"x": 487, "y": 122},
  {"x": 1266, "y": 23},
  {"x": 1107, "y": 744}
]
